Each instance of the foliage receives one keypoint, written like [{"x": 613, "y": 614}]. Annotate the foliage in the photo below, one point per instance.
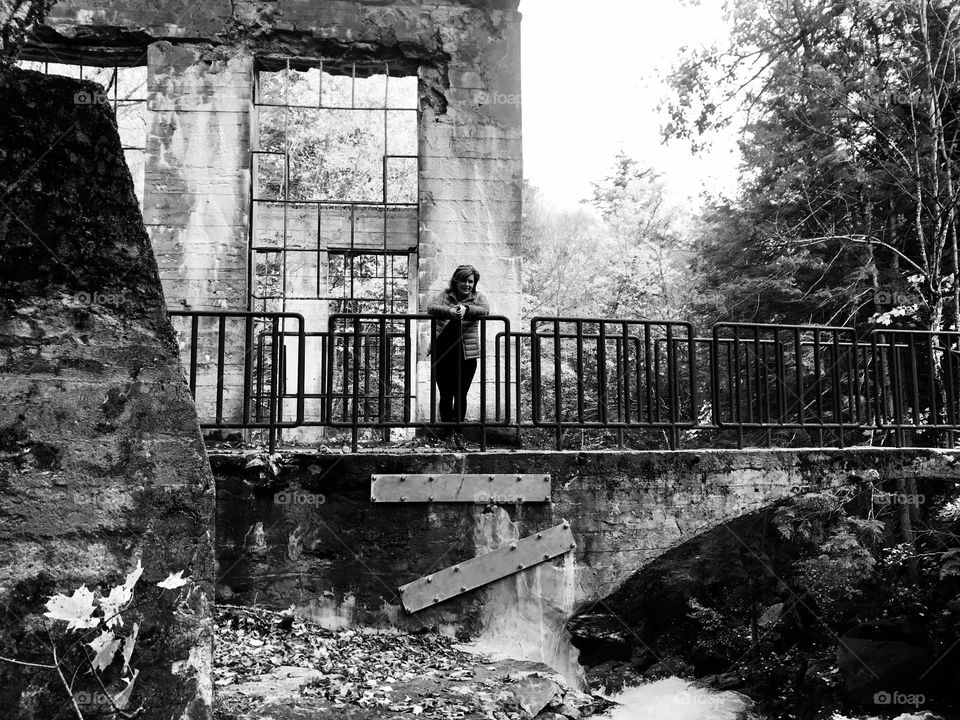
[
  {"x": 104, "y": 648},
  {"x": 17, "y": 19},
  {"x": 626, "y": 258},
  {"x": 851, "y": 167}
]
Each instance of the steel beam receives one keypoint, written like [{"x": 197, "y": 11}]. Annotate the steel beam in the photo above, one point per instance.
[
  {"x": 480, "y": 488},
  {"x": 484, "y": 569}
]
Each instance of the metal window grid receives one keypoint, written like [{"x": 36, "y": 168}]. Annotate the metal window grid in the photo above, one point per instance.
[{"x": 258, "y": 253}]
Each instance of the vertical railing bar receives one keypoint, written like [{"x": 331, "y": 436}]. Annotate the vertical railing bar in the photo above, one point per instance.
[
  {"x": 274, "y": 362},
  {"x": 580, "y": 372},
  {"x": 496, "y": 376},
  {"x": 354, "y": 420},
  {"x": 896, "y": 390},
  {"x": 673, "y": 387},
  {"x": 915, "y": 384},
  {"x": 817, "y": 384},
  {"x": 694, "y": 399},
  {"x": 646, "y": 371},
  {"x": 558, "y": 408},
  {"x": 602, "y": 372},
  {"x": 194, "y": 341},
  {"x": 836, "y": 390},
  {"x": 248, "y": 364},
  {"x": 433, "y": 371},
  {"x": 384, "y": 376},
  {"x": 781, "y": 376},
  {"x": 656, "y": 380},
  {"x": 798, "y": 365},
  {"x": 407, "y": 371},
  {"x": 483, "y": 384},
  {"x": 221, "y": 360}
]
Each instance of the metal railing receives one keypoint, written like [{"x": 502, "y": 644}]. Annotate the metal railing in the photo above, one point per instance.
[
  {"x": 228, "y": 337},
  {"x": 638, "y": 383}
]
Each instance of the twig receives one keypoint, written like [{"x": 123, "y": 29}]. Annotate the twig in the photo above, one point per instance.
[
  {"x": 28, "y": 664},
  {"x": 66, "y": 686}
]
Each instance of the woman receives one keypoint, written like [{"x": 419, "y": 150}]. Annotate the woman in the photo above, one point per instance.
[{"x": 457, "y": 347}]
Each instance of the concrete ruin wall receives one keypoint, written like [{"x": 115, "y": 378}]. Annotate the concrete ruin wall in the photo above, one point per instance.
[
  {"x": 101, "y": 460},
  {"x": 200, "y": 59},
  {"x": 340, "y": 558}
]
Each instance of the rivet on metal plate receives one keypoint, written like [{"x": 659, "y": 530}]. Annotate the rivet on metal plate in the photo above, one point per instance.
[
  {"x": 403, "y": 478},
  {"x": 429, "y": 579},
  {"x": 430, "y": 479},
  {"x": 431, "y": 498},
  {"x": 463, "y": 588},
  {"x": 519, "y": 478},
  {"x": 546, "y": 478},
  {"x": 456, "y": 568},
  {"x": 513, "y": 547},
  {"x": 403, "y": 498},
  {"x": 539, "y": 536}
]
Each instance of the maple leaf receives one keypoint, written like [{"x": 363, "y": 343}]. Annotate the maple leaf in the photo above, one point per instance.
[
  {"x": 123, "y": 697},
  {"x": 173, "y": 581},
  {"x": 128, "y": 646},
  {"x": 113, "y": 604},
  {"x": 133, "y": 576},
  {"x": 105, "y": 646},
  {"x": 76, "y": 610}
]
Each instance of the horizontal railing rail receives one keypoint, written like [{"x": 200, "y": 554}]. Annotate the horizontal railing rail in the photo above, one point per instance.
[{"x": 636, "y": 380}]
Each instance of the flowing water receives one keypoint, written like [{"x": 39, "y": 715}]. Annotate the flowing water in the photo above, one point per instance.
[{"x": 677, "y": 699}]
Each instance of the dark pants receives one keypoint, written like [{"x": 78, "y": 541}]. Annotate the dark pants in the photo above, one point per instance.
[{"x": 453, "y": 374}]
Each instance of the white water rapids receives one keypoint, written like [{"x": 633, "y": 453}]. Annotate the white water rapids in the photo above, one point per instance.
[{"x": 676, "y": 699}]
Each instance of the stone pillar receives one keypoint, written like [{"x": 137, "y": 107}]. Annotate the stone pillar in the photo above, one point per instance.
[
  {"x": 471, "y": 183},
  {"x": 101, "y": 461},
  {"x": 195, "y": 206}
]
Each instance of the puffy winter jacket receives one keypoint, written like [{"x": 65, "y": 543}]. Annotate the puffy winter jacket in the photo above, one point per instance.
[{"x": 443, "y": 307}]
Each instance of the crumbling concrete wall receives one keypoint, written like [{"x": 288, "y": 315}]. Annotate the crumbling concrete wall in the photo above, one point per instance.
[
  {"x": 320, "y": 544},
  {"x": 101, "y": 460},
  {"x": 200, "y": 58}
]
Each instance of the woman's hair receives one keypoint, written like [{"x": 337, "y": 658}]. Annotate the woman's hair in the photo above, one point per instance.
[{"x": 461, "y": 273}]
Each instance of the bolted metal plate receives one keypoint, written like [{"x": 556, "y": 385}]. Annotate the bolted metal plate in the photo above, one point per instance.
[
  {"x": 483, "y": 569},
  {"x": 461, "y": 487}
]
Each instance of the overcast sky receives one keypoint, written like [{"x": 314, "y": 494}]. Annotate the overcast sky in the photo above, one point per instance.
[{"x": 590, "y": 88}]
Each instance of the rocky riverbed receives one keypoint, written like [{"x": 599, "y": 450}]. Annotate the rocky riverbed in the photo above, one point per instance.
[{"x": 271, "y": 666}]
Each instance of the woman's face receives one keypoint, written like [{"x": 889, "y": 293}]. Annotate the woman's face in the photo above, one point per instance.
[{"x": 465, "y": 285}]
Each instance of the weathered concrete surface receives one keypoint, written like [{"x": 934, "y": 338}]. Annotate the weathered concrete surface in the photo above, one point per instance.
[
  {"x": 324, "y": 547},
  {"x": 101, "y": 460}
]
